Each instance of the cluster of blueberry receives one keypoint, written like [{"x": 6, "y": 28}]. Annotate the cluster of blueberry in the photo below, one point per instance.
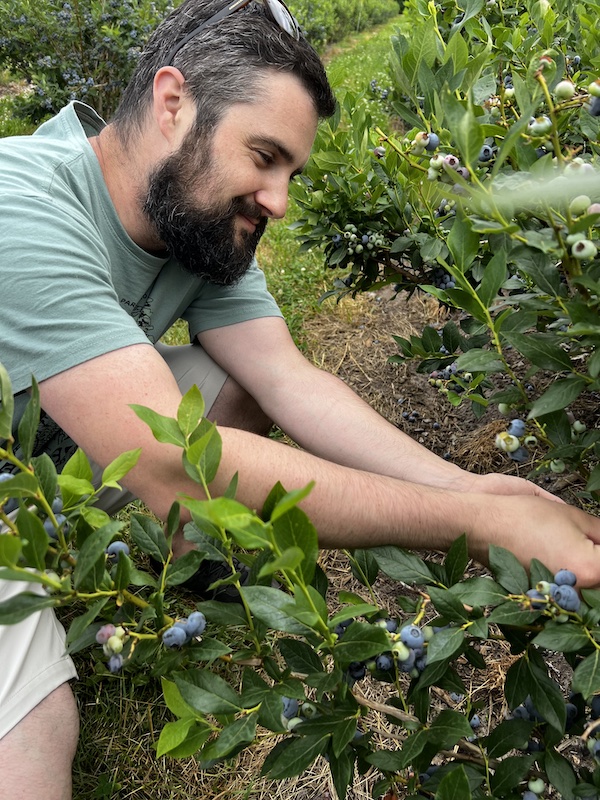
[
  {"x": 378, "y": 91},
  {"x": 514, "y": 441},
  {"x": 184, "y": 630},
  {"x": 112, "y": 638},
  {"x": 294, "y": 713},
  {"x": 560, "y": 594},
  {"x": 407, "y": 652},
  {"x": 355, "y": 242},
  {"x": 445, "y": 380}
]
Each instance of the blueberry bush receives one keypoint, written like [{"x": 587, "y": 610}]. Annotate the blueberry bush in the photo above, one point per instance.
[
  {"x": 482, "y": 191},
  {"x": 86, "y": 49},
  {"x": 291, "y": 664}
]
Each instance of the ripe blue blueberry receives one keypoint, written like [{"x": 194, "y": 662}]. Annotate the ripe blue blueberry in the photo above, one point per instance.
[
  {"x": 57, "y": 505},
  {"x": 486, "y": 153},
  {"x": 174, "y": 636},
  {"x": 516, "y": 427},
  {"x": 433, "y": 142},
  {"x": 337, "y": 238},
  {"x": 412, "y": 636},
  {"x": 384, "y": 662},
  {"x": 595, "y": 707},
  {"x": 357, "y": 670},
  {"x": 196, "y": 623},
  {"x": 520, "y": 455},
  {"x": 565, "y": 577},
  {"x": 290, "y": 707},
  {"x": 475, "y": 722},
  {"x": 114, "y": 548},
  {"x": 567, "y": 598},
  {"x": 520, "y": 712},
  {"x": 115, "y": 663},
  {"x": 527, "y": 795}
]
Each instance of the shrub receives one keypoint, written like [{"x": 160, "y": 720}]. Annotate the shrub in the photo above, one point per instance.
[
  {"x": 486, "y": 201},
  {"x": 279, "y": 665}
]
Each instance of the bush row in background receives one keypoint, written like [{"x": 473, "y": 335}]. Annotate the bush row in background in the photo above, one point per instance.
[
  {"x": 87, "y": 49},
  {"x": 489, "y": 201}
]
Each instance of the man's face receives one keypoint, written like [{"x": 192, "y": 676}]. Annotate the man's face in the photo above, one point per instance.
[{"x": 209, "y": 201}]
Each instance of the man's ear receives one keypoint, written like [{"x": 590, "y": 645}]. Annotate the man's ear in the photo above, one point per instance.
[{"x": 171, "y": 104}]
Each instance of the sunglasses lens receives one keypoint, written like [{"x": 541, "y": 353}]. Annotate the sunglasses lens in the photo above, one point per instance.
[{"x": 283, "y": 18}]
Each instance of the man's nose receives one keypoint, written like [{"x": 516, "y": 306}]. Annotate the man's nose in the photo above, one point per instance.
[{"x": 273, "y": 198}]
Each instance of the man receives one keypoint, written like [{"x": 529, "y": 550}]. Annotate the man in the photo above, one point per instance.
[{"x": 96, "y": 224}]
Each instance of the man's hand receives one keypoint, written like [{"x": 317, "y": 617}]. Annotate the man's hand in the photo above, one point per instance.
[{"x": 495, "y": 483}]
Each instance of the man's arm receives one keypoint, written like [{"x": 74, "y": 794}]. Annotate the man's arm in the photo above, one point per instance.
[
  {"x": 325, "y": 417},
  {"x": 349, "y": 507}
]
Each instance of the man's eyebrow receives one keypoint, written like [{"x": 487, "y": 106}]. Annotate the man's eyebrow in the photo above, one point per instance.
[{"x": 282, "y": 150}]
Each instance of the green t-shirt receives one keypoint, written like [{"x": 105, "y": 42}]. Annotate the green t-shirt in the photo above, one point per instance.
[{"x": 73, "y": 285}]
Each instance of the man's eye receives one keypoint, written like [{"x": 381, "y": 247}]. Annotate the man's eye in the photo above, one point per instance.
[{"x": 267, "y": 158}]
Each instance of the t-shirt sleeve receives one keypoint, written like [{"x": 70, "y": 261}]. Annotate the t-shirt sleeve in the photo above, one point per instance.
[
  {"x": 58, "y": 305},
  {"x": 218, "y": 306}
]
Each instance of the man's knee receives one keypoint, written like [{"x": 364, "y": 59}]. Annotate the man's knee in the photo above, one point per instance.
[{"x": 236, "y": 408}]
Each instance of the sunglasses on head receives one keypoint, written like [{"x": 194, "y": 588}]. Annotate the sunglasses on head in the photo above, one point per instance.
[{"x": 277, "y": 11}]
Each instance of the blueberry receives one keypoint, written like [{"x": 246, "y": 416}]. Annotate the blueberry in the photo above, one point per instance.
[
  {"x": 290, "y": 707},
  {"x": 174, "y": 636},
  {"x": 412, "y": 636},
  {"x": 115, "y": 663},
  {"x": 529, "y": 795},
  {"x": 379, "y": 152},
  {"x": 516, "y": 427},
  {"x": 536, "y": 596},
  {"x": 536, "y": 785},
  {"x": 337, "y": 238},
  {"x": 475, "y": 722},
  {"x": 357, "y": 670},
  {"x": 196, "y": 623},
  {"x": 51, "y": 529},
  {"x": 520, "y": 712},
  {"x": 520, "y": 455},
  {"x": 433, "y": 142},
  {"x": 565, "y": 577},
  {"x": 407, "y": 664},
  {"x": 567, "y": 598},
  {"x": 114, "y": 548},
  {"x": 105, "y": 633},
  {"x": 486, "y": 153},
  {"x": 595, "y": 707},
  {"x": 57, "y": 505},
  {"x": 456, "y": 698},
  {"x": 384, "y": 662}
]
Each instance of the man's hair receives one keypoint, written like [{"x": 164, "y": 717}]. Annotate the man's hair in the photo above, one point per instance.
[{"x": 225, "y": 63}]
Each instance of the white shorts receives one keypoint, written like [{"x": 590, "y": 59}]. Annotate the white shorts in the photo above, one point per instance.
[{"x": 33, "y": 661}]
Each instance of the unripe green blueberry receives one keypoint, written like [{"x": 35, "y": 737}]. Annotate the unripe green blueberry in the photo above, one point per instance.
[
  {"x": 293, "y": 723},
  {"x": 401, "y": 651},
  {"x": 579, "y": 426},
  {"x": 584, "y": 250},
  {"x": 539, "y": 126},
  {"x": 579, "y": 205},
  {"x": 504, "y": 409},
  {"x": 564, "y": 90},
  {"x": 507, "y": 442},
  {"x": 509, "y": 92},
  {"x": 594, "y": 88},
  {"x": 432, "y": 174},
  {"x": 359, "y": 248},
  {"x": 120, "y": 632},
  {"x": 536, "y": 785},
  {"x": 115, "y": 644},
  {"x": 572, "y": 238},
  {"x": 308, "y": 710},
  {"x": 557, "y": 465},
  {"x": 530, "y": 441},
  {"x": 437, "y": 162}
]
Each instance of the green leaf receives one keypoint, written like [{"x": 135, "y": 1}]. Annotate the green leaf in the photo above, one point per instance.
[
  {"x": 565, "y": 638},
  {"x": 299, "y": 656},
  {"x": 290, "y": 500},
  {"x": 291, "y": 558},
  {"x": 454, "y": 786},
  {"x": 445, "y": 645},
  {"x": 240, "y": 732},
  {"x": 447, "y": 728},
  {"x": 360, "y": 641},
  {"x": 80, "y": 624},
  {"x": 203, "y": 456},
  {"x": 149, "y": 537},
  {"x": 560, "y": 394},
  {"x": 510, "y": 734},
  {"x": 10, "y": 550},
  {"x": 78, "y": 466},
  {"x": 508, "y": 570},
  {"x": 457, "y": 560},
  {"x": 35, "y": 539},
  {"x": 45, "y": 472},
  {"x": 342, "y": 770},
  {"x": 343, "y": 734},
  {"x": 510, "y": 772},
  {"x": 19, "y": 607},
  {"x": 267, "y": 604},
  {"x": 542, "y": 349},
  {"x": 207, "y": 693},
  {"x": 494, "y": 275},
  {"x": 173, "y": 735},
  {"x": 463, "y": 243},
  {"x": 29, "y": 422},
  {"x": 586, "y": 677},
  {"x": 190, "y": 411},
  {"x": 560, "y": 774},
  {"x": 183, "y": 568},
  {"x": 402, "y": 566},
  {"x": 364, "y": 566},
  {"x": 174, "y": 700},
  {"x": 479, "y": 592},
  {"x": 478, "y": 360},
  {"x": 448, "y": 605},
  {"x": 7, "y": 407},
  {"x": 93, "y": 551},
  {"x": 467, "y": 134},
  {"x": 23, "y": 484},
  {"x": 120, "y": 467},
  {"x": 510, "y": 613},
  {"x": 292, "y": 756},
  {"x": 197, "y": 736},
  {"x": 164, "y": 429}
]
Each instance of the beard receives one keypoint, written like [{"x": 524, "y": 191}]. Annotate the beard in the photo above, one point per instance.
[{"x": 202, "y": 238}]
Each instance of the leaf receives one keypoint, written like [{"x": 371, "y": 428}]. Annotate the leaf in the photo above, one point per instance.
[
  {"x": 508, "y": 570},
  {"x": 174, "y": 700},
  {"x": 559, "y": 395},
  {"x": 79, "y": 625},
  {"x": 93, "y": 550},
  {"x": 18, "y": 608},
  {"x": 565, "y": 638},
  {"x": 542, "y": 349},
  {"x": 454, "y": 786},
  {"x": 463, "y": 243},
  {"x": 267, "y": 604},
  {"x": 149, "y": 537},
  {"x": 292, "y": 756},
  {"x": 240, "y": 732},
  {"x": 173, "y": 734},
  {"x": 29, "y": 423},
  {"x": 479, "y": 592},
  {"x": 510, "y": 772},
  {"x": 183, "y": 568},
  {"x": 402, "y": 566},
  {"x": 207, "y": 693},
  {"x": 457, "y": 559},
  {"x": 120, "y": 467},
  {"x": 510, "y": 734},
  {"x": 7, "y": 406},
  {"x": 10, "y": 550},
  {"x": 299, "y": 656},
  {"x": 478, "y": 360},
  {"x": 34, "y": 537},
  {"x": 360, "y": 641},
  {"x": 586, "y": 677},
  {"x": 290, "y": 500},
  {"x": 560, "y": 774},
  {"x": 494, "y": 275},
  {"x": 445, "y": 645},
  {"x": 164, "y": 429},
  {"x": 448, "y": 605},
  {"x": 342, "y": 771},
  {"x": 447, "y": 728},
  {"x": 291, "y": 558},
  {"x": 190, "y": 411}
]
